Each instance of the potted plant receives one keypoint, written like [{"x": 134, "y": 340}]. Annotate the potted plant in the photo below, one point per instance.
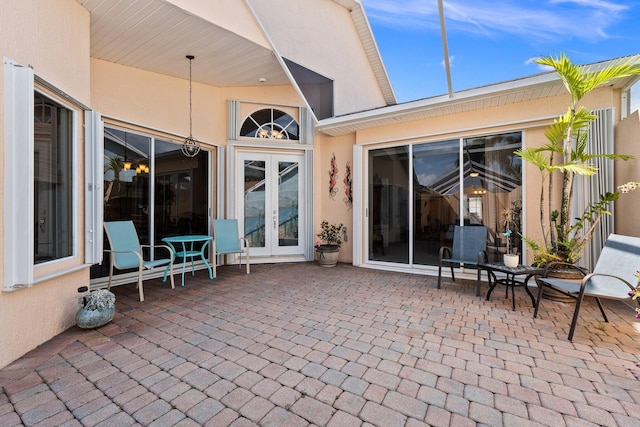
[
  {"x": 565, "y": 154},
  {"x": 510, "y": 259},
  {"x": 329, "y": 251},
  {"x": 97, "y": 308}
]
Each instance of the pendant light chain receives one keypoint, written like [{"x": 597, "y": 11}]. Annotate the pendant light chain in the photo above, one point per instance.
[{"x": 190, "y": 146}]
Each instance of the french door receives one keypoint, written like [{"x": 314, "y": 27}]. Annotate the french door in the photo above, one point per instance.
[{"x": 271, "y": 195}]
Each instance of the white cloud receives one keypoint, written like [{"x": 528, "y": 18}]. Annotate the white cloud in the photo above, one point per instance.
[
  {"x": 451, "y": 58},
  {"x": 546, "y": 19},
  {"x": 540, "y": 66}
]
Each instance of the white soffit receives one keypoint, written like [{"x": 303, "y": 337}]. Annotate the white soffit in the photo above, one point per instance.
[{"x": 155, "y": 35}]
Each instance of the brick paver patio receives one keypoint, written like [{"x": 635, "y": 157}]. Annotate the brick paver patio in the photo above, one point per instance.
[{"x": 299, "y": 345}]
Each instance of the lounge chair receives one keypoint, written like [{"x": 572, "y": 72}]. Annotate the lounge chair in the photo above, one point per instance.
[{"x": 613, "y": 277}]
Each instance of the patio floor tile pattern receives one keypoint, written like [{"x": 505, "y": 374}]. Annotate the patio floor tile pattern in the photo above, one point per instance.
[{"x": 299, "y": 345}]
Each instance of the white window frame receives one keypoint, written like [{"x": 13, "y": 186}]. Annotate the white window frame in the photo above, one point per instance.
[{"x": 20, "y": 270}]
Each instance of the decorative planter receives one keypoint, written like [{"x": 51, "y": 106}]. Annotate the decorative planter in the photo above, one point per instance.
[
  {"x": 89, "y": 319},
  {"x": 328, "y": 255},
  {"x": 511, "y": 260}
]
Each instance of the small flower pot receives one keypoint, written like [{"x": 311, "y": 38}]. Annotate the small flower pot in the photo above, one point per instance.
[
  {"x": 89, "y": 319},
  {"x": 511, "y": 260}
]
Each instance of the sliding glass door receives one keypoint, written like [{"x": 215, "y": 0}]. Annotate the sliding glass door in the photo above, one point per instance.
[
  {"x": 418, "y": 193},
  {"x": 149, "y": 181}
]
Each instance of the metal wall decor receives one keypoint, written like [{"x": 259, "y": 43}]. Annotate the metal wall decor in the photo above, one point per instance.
[
  {"x": 348, "y": 200},
  {"x": 190, "y": 145},
  {"x": 333, "y": 174}
]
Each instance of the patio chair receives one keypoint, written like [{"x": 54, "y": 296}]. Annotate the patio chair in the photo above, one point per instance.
[
  {"x": 227, "y": 240},
  {"x": 469, "y": 249},
  {"x": 126, "y": 252},
  {"x": 613, "y": 277}
]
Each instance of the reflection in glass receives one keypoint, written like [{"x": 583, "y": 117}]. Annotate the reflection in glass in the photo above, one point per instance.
[
  {"x": 288, "y": 203},
  {"x": 436, "y": 198},
  {"x": 496, "y": 188},
  {"x": 254, "y": 202},
  {"x": 388, "y": 205},
  {"x": 179, "y": 185}
]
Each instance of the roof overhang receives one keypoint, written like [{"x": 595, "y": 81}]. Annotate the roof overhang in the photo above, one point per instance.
[
  {"x": 156, "y": 35},
  {"x": 505, "y": 93}
]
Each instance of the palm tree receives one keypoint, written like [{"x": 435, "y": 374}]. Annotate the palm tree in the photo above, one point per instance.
[
  {"x": 567, "y": 141},
  {"x": 116, "y": 164}
]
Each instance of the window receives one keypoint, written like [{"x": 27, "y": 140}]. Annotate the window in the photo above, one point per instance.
[
  {"x": 40, "y": 190},
  {"x": 270, "y": 123},
  {"x": 53, "y": 185}
]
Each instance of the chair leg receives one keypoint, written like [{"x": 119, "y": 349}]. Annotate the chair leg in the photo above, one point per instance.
[
  {"x": 575, "y": 316},
  {"x": 537, "y": 304},
  {"x": 602, "y": 310},
  {"x": 173, "y": 282},
  {"x": 439, "y": 275},
  {"x": 110, "y": 275},
  {"x": 140, "y": 291},
  {"x": 246, "y": 259},
  {"x": 453, "y": 276}
]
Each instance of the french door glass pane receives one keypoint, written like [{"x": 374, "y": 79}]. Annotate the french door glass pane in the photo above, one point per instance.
[
  {"x": 388, "y": 205},
  {"x": 288, "y": 184},
  {"x": 254, "y": 202},
  {"x": 436, "y": 198}
]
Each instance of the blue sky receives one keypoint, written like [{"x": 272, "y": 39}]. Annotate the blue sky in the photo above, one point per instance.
[{"x": 491, "y": 41}]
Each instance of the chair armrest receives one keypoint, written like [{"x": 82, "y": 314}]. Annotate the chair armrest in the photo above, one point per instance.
[
  {"x": 586, "y": 278},
  {"x": 568, "y": 266},
  {"x": 244, "y": 242},
  {"x": 482, "y": 257},
  {"x": 167, "y": 247}
]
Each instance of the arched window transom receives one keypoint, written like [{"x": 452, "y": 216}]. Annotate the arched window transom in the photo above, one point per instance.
[{"x": 270, "y": 123}]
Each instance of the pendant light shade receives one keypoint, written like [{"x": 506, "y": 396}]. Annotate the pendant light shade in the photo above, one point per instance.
[{"x": 190, "y": 145}]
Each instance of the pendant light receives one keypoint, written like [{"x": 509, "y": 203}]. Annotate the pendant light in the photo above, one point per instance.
[{"x": 190, "y": 145}]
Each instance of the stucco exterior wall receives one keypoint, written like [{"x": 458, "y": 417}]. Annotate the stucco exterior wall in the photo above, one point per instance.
[
  {"x": 52, "y": 37},
  {"x": 336, "y": 54},
  {"x": 333, "y": 208},
  {"x": 161, "y": 102}
]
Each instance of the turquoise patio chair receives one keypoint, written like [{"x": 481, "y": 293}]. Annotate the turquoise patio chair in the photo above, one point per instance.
[
  {"x": 227, "y": 240},
  {"x": 469, "y": 249},
  {"x": 613, "y": 277},
  {"x": 126, "y": 252}
]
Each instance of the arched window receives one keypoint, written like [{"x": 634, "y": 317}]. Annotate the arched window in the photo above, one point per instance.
[{"x": 270, "y": 123}]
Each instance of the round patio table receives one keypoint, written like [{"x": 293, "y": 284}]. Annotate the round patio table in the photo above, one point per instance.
[{"x": 187, "y": 249}]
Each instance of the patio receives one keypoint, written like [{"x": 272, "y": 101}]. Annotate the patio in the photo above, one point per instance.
[{"x": 298, "y": 345}]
